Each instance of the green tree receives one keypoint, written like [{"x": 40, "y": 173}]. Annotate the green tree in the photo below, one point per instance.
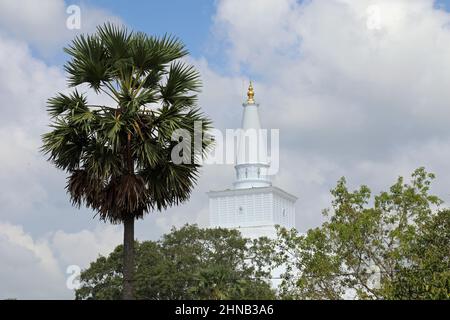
[
  {"x": 187, "y": 263},
  {"x": 427, "y": 275},
  {"x": 118, "y": 157},
  {"x": 371, "y": 248}
]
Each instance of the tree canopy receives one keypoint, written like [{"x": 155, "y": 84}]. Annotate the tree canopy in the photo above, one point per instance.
[
  {"x": 393, "y": 246},
  {"x": 119, "y": 156},
  {"x": 187, "y": 263}
]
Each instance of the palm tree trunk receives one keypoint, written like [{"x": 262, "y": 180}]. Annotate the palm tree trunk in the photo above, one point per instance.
[{"x": 128, "y": 258}]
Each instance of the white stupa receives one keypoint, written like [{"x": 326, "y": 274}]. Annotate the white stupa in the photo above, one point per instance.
[{"x": 253, "y": 206}]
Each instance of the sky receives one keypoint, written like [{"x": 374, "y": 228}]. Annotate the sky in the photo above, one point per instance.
[{"x": 358, "y": 88}]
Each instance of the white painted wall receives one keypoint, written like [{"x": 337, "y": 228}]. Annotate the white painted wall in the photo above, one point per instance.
[
  {"x": 241, "y": 210},
  {"x": 254, "y": 213}
]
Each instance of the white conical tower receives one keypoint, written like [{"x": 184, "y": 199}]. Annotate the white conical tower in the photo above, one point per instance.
[
  {"x": 251, "y": 160},
  {"x": 253, "y": 206}
]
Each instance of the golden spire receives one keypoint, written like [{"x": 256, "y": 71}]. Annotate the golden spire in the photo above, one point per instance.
[{"x": 250, "y": 94}]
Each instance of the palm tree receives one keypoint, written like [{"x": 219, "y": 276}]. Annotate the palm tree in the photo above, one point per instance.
[{"x": 118, "y": 157}]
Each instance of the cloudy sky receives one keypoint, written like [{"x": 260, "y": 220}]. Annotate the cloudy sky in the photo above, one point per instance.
[{"x": 358, "y": 88}]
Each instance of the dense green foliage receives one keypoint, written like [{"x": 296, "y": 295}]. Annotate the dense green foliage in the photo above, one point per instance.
[
  {"x": 427, "y": 276},
  {"x": 395, "y": 246},
  {"x": 188, "y": 263}
]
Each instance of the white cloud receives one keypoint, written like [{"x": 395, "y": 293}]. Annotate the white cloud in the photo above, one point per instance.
[
  {"x": 25, "y": 85},
  {"x": 36, "y": 268},
  {"x": 28, "y": 268},
  {"x": 332, "y": 67},
  {"x": 85, "y": 246},
  {"x": 43, "y": 23}
]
